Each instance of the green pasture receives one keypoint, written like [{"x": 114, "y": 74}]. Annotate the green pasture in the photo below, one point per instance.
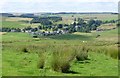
[
  {"x": 20, "y": 54},
  {"x": 92, "y": 16}
]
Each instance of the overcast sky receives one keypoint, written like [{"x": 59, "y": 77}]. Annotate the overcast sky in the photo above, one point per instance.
[{"x": 30, "y": 6}]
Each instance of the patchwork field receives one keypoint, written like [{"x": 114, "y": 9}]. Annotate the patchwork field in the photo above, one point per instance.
[{"x": 68, "y": 18}]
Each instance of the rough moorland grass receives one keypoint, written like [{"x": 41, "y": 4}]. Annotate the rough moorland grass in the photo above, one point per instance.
[
  {"x": 41, "y": 62},
  {"x": 22, "y": 40},
  {"x": 111, "y": 50},
  {"x": 71, "y": 37},
  {"x": 61, "y": 58},
  {"x": 23, "y": 66},
  {"x": 82, "y": 53}
]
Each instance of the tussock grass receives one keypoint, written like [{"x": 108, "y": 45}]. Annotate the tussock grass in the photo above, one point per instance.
[
  {"x": 41, "y": 62},
  {"x": 24, "y": 50},
  {"x": 61, "y": 58},
  {"x": 111, "y": 51},
  {"x": 82, "y": 53},
  {"x": 42, "y": 53}
]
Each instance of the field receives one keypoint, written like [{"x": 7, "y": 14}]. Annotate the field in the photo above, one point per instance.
[
  {"x": 68, "y": 18},
  {"x": 107, "y": 26},
  {"x": 96, "y": 66},
  {"x": 16, "y": 22},
  {"x": 23, "y": 55}
]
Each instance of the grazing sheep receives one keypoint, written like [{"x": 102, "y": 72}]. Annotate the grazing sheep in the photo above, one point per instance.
[{"x": 84, "y": 41}]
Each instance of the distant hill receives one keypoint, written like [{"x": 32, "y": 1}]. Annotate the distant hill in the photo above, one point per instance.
[
  {"x": 25, "y": 15},
  {"x": 7, "y": 14},
  {"x": 85, "y": 13}
]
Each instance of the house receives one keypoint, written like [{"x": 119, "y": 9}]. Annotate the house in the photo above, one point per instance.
[{"x": 13, "y": 30}]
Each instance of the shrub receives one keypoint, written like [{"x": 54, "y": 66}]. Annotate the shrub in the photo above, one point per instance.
[
  {"x": 43, "y": 50},
  {"x": 41, "y": 61},
  {"x": 24, "y": 50},
  {"x": 61, "y": 58},
  {"x": 118, "y": 53},
  {"x": 82, "y": 53},
  {"x": 60, "y": 64},
  {"x": 112, "y": 51}
]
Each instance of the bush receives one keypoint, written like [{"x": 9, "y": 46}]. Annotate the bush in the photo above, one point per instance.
[
  {"x": 42, "y": 56},
  {"x": 61, "y": 58},
  {"x": 112, "y": 51},
  {"x": 41, "y": 62},
  {"x": 60, "y": 65},
  {"x": 82, "y": 53},
  {"x": 24, "y": 50}
]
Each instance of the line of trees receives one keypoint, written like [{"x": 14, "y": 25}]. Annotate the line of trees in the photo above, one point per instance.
[
  {"x": 46, "y": 20},
  {"x": 110, "y": 21},
  {"x": 5, "y": 29}
]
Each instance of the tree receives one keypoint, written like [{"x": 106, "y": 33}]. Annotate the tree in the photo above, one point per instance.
[
  {"x": 39, "y": 27},
  {"x": 18, "y": 30},
  {"x": 93, "y": 27},
  {"x": 71, "y": 28},
  {"x": 41, "y": 20},
  {"x": 60, "y": 26},
  {"x": 112, "y": 21},
  {"x": 75, "y": 19},
  {"x": 28, "y": 28},
  {"x": 80, "y": 21},
  {"x": 34, "y": 29},
  {"x": 98, "y": 22},
  {"x": 90, "y": 22},
  {"x": 74, "y": 24},
  {"x": 55, "y": 28}
]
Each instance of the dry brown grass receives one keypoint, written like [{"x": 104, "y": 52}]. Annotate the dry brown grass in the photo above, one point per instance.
[
  {"x": 17, "y": 19},
  {"x": 3, "y": 33},
  {"x": 107, "y": 26}
]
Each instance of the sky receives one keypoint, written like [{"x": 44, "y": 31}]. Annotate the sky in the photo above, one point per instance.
[{"x": 33, "y": 6}]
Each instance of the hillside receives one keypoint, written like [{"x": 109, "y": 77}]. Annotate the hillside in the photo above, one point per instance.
[{"x": 75, "y": 53}]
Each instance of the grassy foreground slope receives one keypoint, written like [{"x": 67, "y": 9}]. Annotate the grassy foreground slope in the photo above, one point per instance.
[
  {"x": 17, "y": 63},
  {"x": 14, "y": 63}
]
